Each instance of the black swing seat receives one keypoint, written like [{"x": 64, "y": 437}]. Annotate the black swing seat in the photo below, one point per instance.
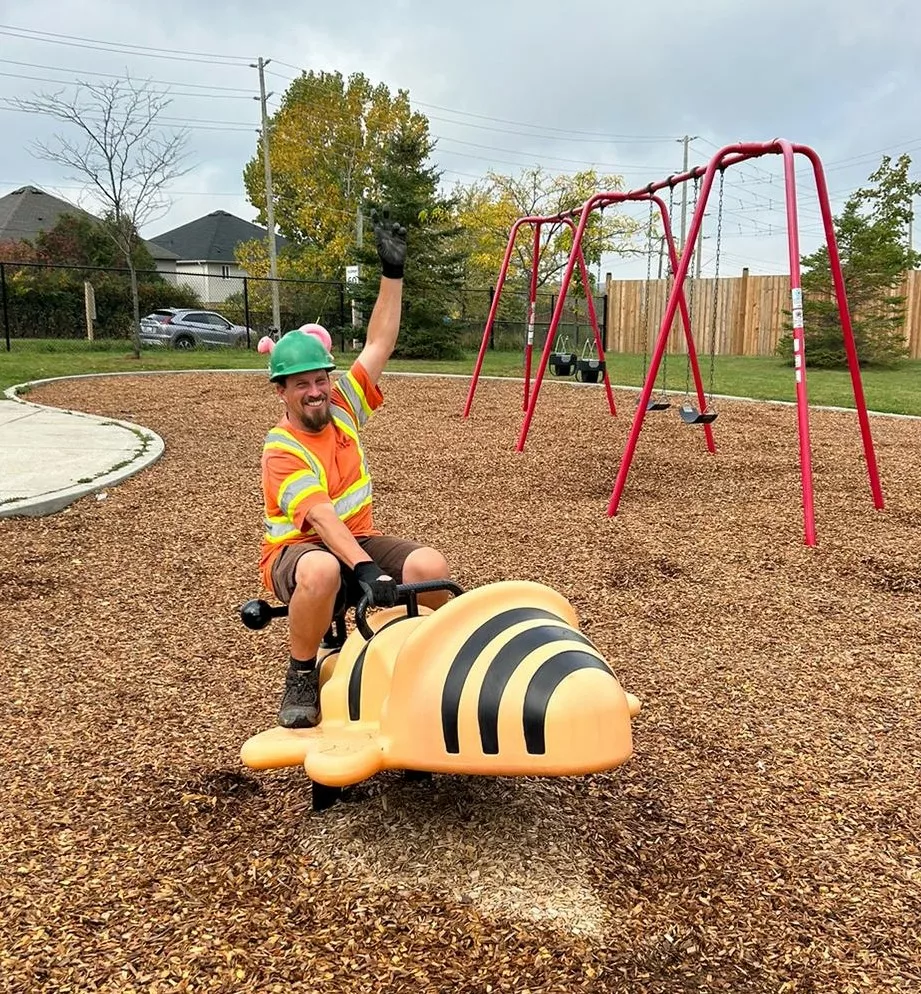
[
  {"x": 562, "y": 363},
  {"x": 658, "y": 405},
  {"x": 589, "y": 370},
  {"x": 691, "y": 416}
]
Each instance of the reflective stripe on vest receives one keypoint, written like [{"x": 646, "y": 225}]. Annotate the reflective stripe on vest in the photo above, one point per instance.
[
  {"x": 301, "y": 484},
  {"x": 281, "y": 438},
  {"x": 295, "y": 488},
  {"x": 355, "y": 396},
  {"x": 354, "y": 499},
  {"x": 279, "y": 530}
]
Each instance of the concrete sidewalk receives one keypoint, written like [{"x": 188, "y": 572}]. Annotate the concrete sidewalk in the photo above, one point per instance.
[{"x": 50, "y": 458}]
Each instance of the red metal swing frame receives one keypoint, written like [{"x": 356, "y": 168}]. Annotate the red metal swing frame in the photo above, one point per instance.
[
  {"x": 575, "y": 258},
  {"x": 726, "y": 157}
]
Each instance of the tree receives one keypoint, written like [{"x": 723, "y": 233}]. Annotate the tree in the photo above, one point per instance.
[
  {"x": 80, "y": 240},
  {"x": 325, "y": 141},
  {"x": 75, "y": 240},
  {"x": 121, "y": 154},
  {"x": 408, "y": 187},
  {"x": 488, "y": 209},
  {"x": 21, "y": 250},
  {"x": 873, "y": 236}
]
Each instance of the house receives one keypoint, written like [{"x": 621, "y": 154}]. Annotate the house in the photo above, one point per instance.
[
  {"x": 205, "y": 253},
  {"x": 28, "y": 211}
]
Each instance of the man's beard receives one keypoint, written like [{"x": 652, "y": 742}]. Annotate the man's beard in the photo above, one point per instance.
[{"x": 314, "y": 418}]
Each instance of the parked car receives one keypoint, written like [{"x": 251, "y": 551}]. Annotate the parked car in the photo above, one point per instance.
[{"x": 186, "y": 328}]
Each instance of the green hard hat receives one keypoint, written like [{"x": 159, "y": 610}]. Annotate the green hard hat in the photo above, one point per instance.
[{"x": 298, "y": 353}]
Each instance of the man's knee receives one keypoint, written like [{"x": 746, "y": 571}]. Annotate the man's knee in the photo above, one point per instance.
[
  {"x": 425, "y": 564},
  {"x": 318, "y": 575}
]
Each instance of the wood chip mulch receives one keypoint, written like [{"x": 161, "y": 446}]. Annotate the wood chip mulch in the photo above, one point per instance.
[{"x": 765, "y": 837}]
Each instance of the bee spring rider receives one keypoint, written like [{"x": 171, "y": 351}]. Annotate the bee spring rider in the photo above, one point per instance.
[{"x": 499, "y": 681}]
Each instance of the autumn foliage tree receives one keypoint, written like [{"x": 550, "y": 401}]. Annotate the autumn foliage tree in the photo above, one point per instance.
[
  {"x": 324, "y": 143},
  {"x": 488, "y": 208}
]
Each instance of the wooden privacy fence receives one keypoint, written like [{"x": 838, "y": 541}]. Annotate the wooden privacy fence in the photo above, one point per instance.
[{"x": 743, "y": 315}]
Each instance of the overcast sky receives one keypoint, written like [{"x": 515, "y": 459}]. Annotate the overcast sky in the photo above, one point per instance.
[{"x": 508, "y": 84}]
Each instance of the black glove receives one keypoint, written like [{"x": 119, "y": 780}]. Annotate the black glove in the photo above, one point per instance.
[
  {"x": 380, "y": 588},
  {"x": 391, "y": 244}
]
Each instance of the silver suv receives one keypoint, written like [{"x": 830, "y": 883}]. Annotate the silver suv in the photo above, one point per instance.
[{"x": 184, "y": 328}]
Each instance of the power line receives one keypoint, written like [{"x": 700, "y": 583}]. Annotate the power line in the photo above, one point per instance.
[
  {"x": 190, "y": 125},
  {"x": 199, "y": 124},
  {"x": 567, "y": 133},
  {"x": 557, "y": 158},
  {"x": 177, "y": 193},
  {"x": 113, "y": 75},
  {"x": 95, "y": 44},
  {"x": 159, "y": 93}
]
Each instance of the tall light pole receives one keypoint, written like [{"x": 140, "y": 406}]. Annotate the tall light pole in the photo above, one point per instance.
[{"x": 269, "y": 198}]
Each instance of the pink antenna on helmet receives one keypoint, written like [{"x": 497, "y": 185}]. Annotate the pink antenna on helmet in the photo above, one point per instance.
[
  {"x": 318, "y": 331},
  {"x": 266, "y": 344}
]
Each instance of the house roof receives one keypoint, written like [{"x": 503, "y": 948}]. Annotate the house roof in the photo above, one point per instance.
[
  {"x": 28, "y": 211},
  {"x": 212, "y": 238}
]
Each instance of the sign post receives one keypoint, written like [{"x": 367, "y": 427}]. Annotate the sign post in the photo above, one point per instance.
[
  {"x": 352, "y": 277},
  {"x": 89, "y": 298}
]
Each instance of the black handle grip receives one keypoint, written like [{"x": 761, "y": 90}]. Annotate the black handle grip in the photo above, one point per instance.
[
  {"x": 257, "y": 614},
  {"x": 406, "y": 593}
]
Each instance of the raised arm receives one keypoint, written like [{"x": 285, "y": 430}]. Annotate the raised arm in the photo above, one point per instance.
[{"x": 384, "y": 324}]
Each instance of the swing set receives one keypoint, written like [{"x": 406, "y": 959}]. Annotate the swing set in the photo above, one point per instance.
[
  {"x": 702, "y": 411},
  {"x": 561, "y": 362}
]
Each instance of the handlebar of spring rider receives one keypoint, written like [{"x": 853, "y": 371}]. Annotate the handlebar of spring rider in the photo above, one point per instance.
[{"x": 257, "y": 614}]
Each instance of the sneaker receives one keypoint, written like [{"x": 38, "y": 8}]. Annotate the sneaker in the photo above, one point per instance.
[{"x": 300, "y": 707}]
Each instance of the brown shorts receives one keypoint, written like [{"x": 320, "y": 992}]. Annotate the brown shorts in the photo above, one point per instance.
[{"x": 388, "y": 552}]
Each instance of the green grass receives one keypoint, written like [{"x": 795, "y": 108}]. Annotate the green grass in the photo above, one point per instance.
[{"x": 895, "y": 390}]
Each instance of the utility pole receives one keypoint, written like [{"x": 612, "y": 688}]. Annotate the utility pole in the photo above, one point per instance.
[
  {"x": 686, "y": 141},
  {"x": 269, "y": 198}
]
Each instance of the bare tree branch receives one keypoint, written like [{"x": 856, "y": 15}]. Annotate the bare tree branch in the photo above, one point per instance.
[{"x": 118, "y": 153}]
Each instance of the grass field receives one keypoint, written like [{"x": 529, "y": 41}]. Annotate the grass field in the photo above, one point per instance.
[{"x": 765, "y": 378}]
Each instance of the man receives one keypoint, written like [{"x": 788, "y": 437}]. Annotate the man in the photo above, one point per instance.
[{"x": 320, "y": 543}]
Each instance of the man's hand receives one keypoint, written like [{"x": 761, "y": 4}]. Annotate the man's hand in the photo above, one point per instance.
[
  {"x": 380, "y": 588},
  {"x": 391, "y": 244}
]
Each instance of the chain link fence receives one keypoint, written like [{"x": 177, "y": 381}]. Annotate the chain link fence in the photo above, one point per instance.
[{"x": 41, "y": 301}]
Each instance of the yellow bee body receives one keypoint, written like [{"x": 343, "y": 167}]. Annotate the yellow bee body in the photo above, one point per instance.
[{"x": 498, "y": 682}]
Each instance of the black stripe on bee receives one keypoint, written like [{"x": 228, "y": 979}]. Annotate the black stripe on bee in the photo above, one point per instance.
[
  {"x": 500, "y": 671},
  {"x": 544, "y": 682},
  {"x": 467, "y": 656},
  {"x": 358, "y": 670}
]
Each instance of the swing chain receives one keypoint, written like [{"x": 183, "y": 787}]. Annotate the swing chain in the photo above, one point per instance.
[
  {"x": 689, "y": 301},
  {"x": 716, "y": 285},
  {"x": 669, "y": 284},
  {"x": 646, "y": 293}
]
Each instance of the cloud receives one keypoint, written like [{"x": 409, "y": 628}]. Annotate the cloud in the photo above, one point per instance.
[{"x": 507, "y": 85}]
